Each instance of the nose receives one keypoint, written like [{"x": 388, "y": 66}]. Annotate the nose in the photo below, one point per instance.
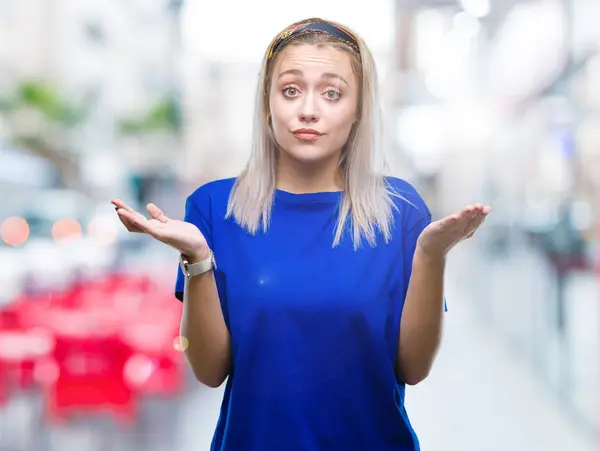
[
  {"x": 309, "y": 110},
  {"x": 308, "y": 117}
]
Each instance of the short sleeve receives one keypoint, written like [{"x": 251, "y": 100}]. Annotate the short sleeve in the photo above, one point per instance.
[
  {"x": 197, "y": 212},
  {"x": 410, "y": 246}
]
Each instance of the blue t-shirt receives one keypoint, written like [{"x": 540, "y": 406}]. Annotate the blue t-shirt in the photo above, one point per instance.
[{"x": 314, "y": 329}]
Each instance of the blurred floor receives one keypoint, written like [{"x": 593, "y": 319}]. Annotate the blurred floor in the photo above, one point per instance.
[
  {"x": 482, "y": 396},
  {"x": 479, "y": 398}
]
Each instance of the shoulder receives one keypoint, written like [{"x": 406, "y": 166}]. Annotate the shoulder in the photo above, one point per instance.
[
  {"x": 408, "y": 202},
  {"x": 213, "y": 188},
  {"x": 212, "y": 193}
]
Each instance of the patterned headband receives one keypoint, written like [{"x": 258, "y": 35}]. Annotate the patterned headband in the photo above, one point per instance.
[{"x": 314, "y": 27}]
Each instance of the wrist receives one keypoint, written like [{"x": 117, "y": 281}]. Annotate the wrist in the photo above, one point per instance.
[
  {"x": 197, "y": 256},
  {"x": 429, "y": 258}
]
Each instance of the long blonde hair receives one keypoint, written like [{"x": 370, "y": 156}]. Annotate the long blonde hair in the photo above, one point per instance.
[{"x": 367, "y": 199}]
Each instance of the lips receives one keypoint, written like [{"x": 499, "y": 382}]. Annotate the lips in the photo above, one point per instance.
[
  {"x": 307, "y": 131},
  {"x": 307, "y": 134}
]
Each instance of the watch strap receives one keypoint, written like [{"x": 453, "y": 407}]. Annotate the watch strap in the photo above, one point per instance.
[{"x": 198, "y": 268}]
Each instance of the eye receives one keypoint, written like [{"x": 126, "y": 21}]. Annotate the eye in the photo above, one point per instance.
[
  {"x": 333, "y": 94},
  {"x": 290, "y": 91}
]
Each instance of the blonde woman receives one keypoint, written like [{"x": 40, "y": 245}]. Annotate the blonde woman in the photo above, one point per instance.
[{"x": 311, "y": 282}]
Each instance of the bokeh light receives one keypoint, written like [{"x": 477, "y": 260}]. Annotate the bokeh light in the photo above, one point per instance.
[
  {"x": 14, "y": 231},
  {"x": 180, "y": 344},
  {"x": 65, "y": 229}
]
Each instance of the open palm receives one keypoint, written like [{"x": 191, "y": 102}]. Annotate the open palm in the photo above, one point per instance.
[
  {"x": 441, "y": 236},
  {"x": 181, "y": 235}
]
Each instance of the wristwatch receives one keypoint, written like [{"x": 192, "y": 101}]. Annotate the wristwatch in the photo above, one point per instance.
[{"x": 195, "y": 269}]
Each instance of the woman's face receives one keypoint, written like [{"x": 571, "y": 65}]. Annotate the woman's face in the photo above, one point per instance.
[{"x": 313, "y": 101}]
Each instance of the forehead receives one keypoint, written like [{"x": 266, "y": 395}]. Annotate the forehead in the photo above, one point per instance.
[{"x": 314, "y": 59}]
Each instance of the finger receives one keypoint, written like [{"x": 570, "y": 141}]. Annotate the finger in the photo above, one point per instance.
[
  {"x": 480, "y": 209},
  {"x": 136, "y": 221},
  {"x": 464, "y": 218},
  {"x": 126, "y": 216},
  {"x": 475, "y": 224},
  {"x": 483, "y": 219},
  {"x": 129, "y": 226},
  {"x": 467, "y": 210},
  {"x": 118, "y": 203},
  {"x": 448, "y": 222},
  {"x": 474, "y": 212},
  {"x": 452, "y": 227},
  {"x": 466, "y": 214},
  {"x": 485, "y": 209},
  {"x": 471, "y": 233},
  {"x": 476, "y": 220},
  {"x": 122, "y": 218},
  {"x": 156, "y": 213}
]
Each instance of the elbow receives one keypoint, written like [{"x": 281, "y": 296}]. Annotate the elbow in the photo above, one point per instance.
[
  {"x": 416, "y": 376},
  {"x": 415, "y": 368},
  {"x": 210, "y": 380},
  {"x": 208, "y": 375},
  {"x": 415, "y": 379}
]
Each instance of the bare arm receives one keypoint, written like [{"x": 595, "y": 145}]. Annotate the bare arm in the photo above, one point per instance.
[
  {"x": 422, "y": 318},
  {"x": 421, "y": 323},
  {"x": 208, "y": 346},
  {"x": 208, "y": 349}
]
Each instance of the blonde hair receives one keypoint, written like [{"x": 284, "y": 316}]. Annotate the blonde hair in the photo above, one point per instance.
[{"x": 367, "y": 198}]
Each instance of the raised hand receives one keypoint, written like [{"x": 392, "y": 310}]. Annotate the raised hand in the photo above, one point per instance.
[
  {"x": 439, "y": 237},
  {"x": 183, "y": 236}
]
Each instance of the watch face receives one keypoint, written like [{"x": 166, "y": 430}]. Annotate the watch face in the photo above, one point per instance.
[
  {"x": 184, "y": 267},
  {"x": 195, "y": 269}
]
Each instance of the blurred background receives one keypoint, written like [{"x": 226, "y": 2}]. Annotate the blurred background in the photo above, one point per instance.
[{"x": 491, "y": 101}]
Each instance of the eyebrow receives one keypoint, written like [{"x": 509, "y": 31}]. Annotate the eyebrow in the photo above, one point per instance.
[{"x": 325, "y": 75}]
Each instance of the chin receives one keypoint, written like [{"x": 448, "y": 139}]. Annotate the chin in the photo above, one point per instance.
[{"x": 309, "y": 154}]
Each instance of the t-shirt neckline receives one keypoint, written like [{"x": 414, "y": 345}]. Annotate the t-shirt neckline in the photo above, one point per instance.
[{"x": 323, "y": 197}]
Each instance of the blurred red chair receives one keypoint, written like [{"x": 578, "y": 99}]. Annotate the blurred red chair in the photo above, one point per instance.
[
  {"x": 157, "y": 367},
  {"x": 3, "y": 386},
  {"x": 155, "y": 375},
  {"x": 86, "y": 372},
  {"x": 95, "y": 345},
  {"x": 21, "y": 347}
]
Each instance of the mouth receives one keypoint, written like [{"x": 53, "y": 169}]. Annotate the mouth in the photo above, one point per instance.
[{"x": 307, "y": 134}]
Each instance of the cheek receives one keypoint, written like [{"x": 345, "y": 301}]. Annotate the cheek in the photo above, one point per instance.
[
  {"x": 278, "y": 125},
  {"x": 343, "y": 124},
  {"x": 280, "y": 114}
]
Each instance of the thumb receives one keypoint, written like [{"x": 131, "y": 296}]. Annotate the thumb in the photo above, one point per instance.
[{"x": 156, "y": 213}]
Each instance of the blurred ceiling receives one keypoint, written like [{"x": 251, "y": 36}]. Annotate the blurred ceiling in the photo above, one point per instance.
[{"x": 498, "y": 11}]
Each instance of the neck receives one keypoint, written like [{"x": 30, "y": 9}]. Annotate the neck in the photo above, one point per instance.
[{"x": 299, "y": 178}]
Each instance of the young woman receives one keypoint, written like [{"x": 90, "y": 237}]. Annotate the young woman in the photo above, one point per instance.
[{"x": 311, "y": 282}]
